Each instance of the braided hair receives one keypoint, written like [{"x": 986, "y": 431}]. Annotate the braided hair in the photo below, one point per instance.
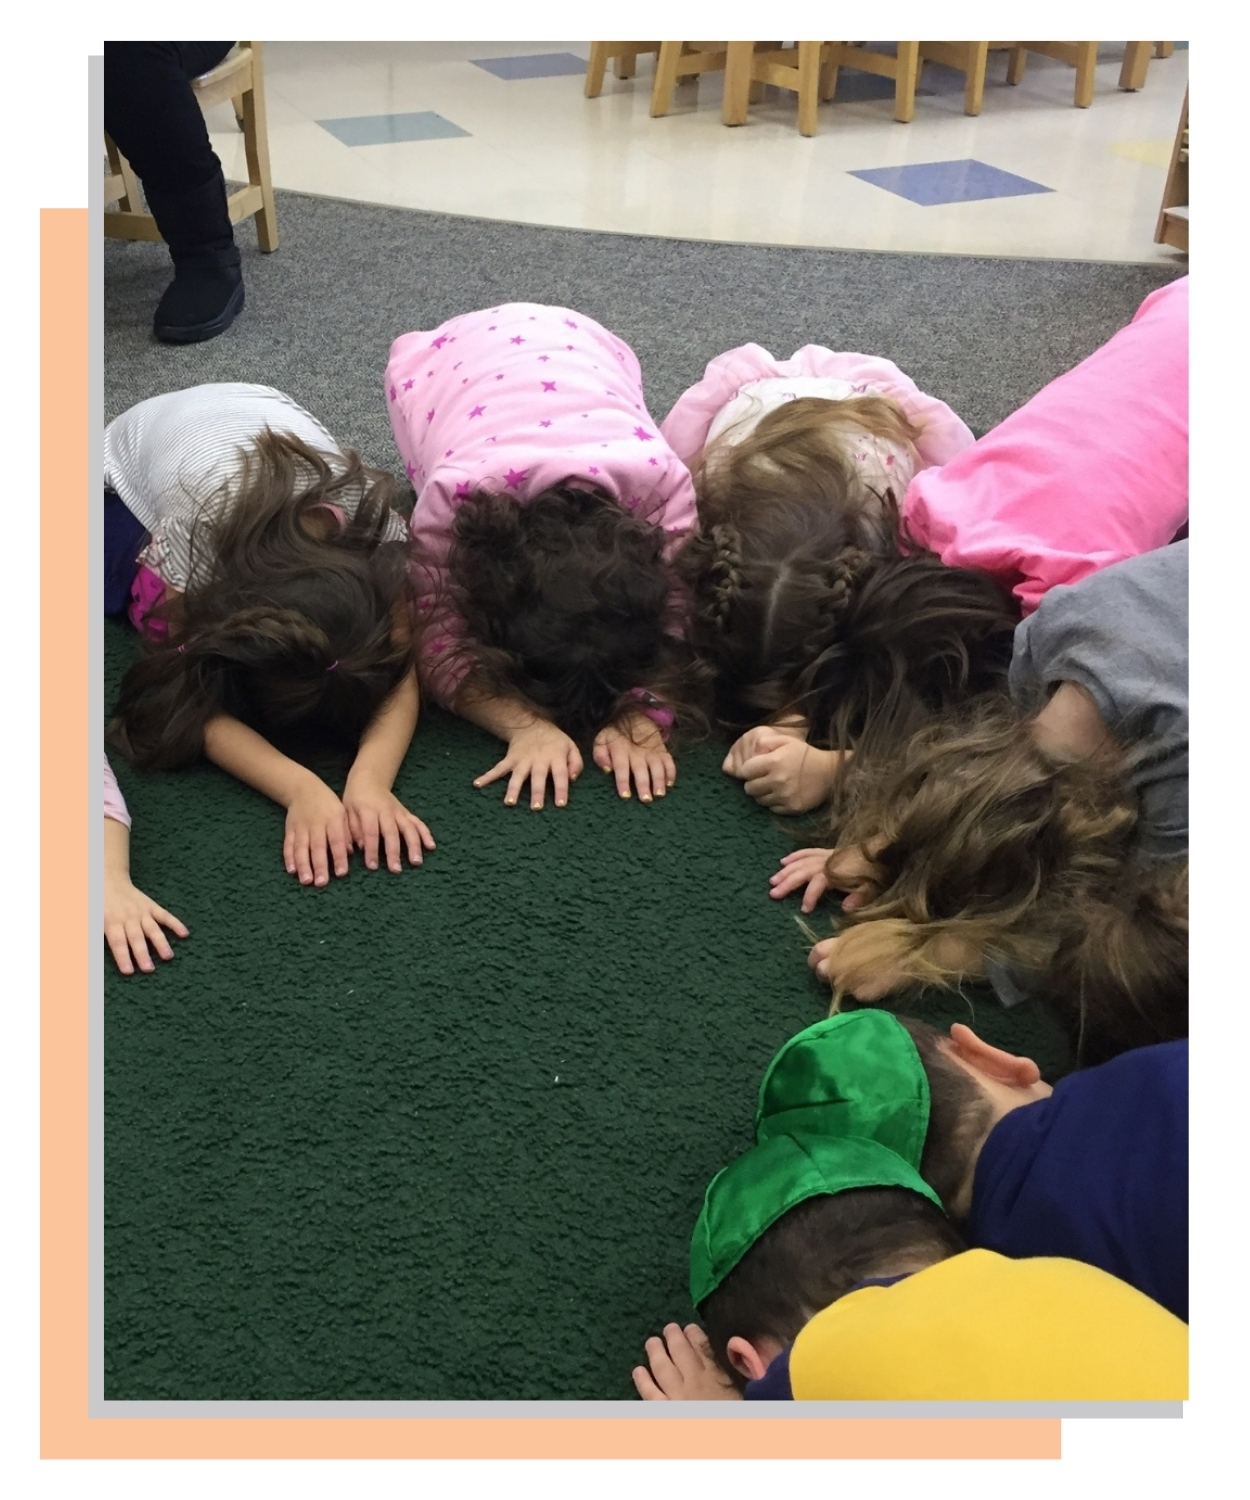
[
  {"x": 791, "y": 620},
  {"x": 284, "y": 623}
]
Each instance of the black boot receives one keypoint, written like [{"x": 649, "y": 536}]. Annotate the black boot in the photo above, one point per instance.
[{"x": 206, "y": 294}]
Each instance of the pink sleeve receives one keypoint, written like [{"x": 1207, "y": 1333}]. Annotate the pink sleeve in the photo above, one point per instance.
[
  {"x": 672, "y": 506},
  {"x": 942, "y": 434},
  {"x": 114, "y": 802},
  {"x": 685, "y": 429},
  {"x": 440, "y": 666},
  {"x": 1092, "y": 470}
]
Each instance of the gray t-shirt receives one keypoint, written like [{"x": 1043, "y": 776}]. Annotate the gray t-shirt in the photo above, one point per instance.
[{"x": 1123, "y": 635}]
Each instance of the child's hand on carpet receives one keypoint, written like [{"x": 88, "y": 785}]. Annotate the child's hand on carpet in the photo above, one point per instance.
[
  {"x": 747, "y": 745},
  {"x": 536, "y": 750},
  {"x": 804, "y": 867},
  {"x": 316, "y": 832},
  {"x": 375, "y": 813},
  {"x": 132, "y": 921},
  {"x": 637, "y": 751},
  {"x": 782, "y": 773},
  {"x": 684, "y": 1370}
]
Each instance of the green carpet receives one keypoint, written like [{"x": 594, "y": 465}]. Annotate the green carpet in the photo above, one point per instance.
[{"x": 440, "y": 1135}]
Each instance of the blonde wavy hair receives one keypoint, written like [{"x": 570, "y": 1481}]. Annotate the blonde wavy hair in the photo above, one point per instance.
[
  {"x": 802, "y": 450},
  {"x": 985, "y": 846}
]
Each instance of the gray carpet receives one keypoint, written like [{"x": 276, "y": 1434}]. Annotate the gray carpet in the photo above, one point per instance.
[{"x": 983, "y": 334}]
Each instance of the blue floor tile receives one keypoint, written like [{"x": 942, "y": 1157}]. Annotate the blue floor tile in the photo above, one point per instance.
[
  {"x": 382, "y": 130},
  {"x": 967, "y": 181},
  {"x": 854, "y": 86},
  {"x": 532, "y": 65}
]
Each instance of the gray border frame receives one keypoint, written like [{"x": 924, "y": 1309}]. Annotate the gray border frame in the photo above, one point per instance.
[{"x": 97, "y": 1406}]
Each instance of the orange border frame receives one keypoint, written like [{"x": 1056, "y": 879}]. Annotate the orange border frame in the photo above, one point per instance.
[{"x": 66, "y": 1429}]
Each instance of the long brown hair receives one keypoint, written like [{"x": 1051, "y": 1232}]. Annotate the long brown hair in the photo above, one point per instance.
[
  {"x": 802, "y": 451},
  {"x": 986, "y": 843},
  {"x": 792, "y": 621},
  {"x": 289, "y": 618}
]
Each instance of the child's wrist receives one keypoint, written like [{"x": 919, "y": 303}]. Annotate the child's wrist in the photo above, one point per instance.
[{"x": 653, "y": 708}]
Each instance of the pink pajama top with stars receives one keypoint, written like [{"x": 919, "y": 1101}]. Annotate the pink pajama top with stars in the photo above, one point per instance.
[{"x": 514, "y": 400}]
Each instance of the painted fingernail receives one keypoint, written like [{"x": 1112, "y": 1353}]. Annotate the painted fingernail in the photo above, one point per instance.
[{"x": 646, "y": 798}]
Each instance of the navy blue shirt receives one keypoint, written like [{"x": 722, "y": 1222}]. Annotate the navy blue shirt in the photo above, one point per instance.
[{"x": 1099, "y": 1172}]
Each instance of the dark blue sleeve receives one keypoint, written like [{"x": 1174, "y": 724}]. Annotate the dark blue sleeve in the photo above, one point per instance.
[{"x": 1099, "y": 1172}]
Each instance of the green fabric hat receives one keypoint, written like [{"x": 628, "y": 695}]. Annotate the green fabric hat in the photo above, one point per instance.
[
  {"x": 752, "y": 1193},
  {"x": 856, "y": 1074}
]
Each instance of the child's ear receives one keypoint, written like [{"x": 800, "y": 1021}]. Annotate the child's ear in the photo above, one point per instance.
[
  {"x": 1002, "y": 1067},
  {"x": 745, "y": 1358}
]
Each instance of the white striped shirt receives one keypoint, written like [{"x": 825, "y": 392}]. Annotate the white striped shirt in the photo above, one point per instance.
[{"x": 174, "y": 461}]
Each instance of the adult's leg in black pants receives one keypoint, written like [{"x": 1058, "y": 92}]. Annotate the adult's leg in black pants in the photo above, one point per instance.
[{"x": 156, "y": 121}]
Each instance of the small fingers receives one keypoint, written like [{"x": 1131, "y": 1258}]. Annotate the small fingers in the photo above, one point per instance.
[
  {"x": 170, "y": 921},
  {"x": 499, "y": 770},
  {"x": 538, "y": 787},
  {"x": 370, "y": 829},
  {"x": 138, "y": 945},
  {"x": 560, "y": 782},
  {"x": 120, "y": 949},
  {"x": 621, "y": 766},
  {"x": 152, "y": 930},
  {"x": 515, "y": 782},
  {"x": 645, "y": 1386}
]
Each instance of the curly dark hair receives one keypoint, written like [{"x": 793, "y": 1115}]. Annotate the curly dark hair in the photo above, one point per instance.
[
  {"x": 567, "y": 603},
  {"x": 290, "y": 619}
]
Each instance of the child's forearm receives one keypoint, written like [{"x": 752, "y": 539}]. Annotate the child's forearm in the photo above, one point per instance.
[
  {"x": 116, "y": 849},
  {"x": 503, "y": 717},
  {"x": 385, "y": 742},
  {"x": 234, "y": 747}
]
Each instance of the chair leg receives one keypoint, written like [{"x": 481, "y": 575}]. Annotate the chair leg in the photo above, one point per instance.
[
  {"x": 1136, "y": 62},
  {"x": 666, "y": 76},
  {"x": 974, "y": 77},
  {"x": 256, "y": 146},
  {"x": 1086, "y": 62},
  {"x": 809, "y": 85},
  {"x": 739, "y": 58},
  {"x": 829, "y": 75},
  {"x": 1016, "y": 64},
  {"x": 905, "y": 81},
  {"x": 1164, "y": 49},
  {"x": 625, "y": 64},
  {"x": 595, "y": 69}
]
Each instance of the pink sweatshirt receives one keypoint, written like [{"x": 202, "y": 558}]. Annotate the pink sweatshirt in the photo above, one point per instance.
[
  {"x": 1092, "y": 470},
  {"x": 688, "y": 424},
  {"x": 114, "y": 802},
  {"x": 516, "y": 399}
]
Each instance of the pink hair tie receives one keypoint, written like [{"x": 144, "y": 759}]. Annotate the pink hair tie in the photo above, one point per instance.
[
  {"x": 332, "y": 665},
  {"x": 181, "y": 649}
]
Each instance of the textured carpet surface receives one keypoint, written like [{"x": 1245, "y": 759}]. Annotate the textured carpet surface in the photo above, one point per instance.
[{"x": 444, "y": 1134}]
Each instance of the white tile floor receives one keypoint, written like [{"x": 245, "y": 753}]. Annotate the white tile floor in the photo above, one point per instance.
[{"x": 539, "y": 152}]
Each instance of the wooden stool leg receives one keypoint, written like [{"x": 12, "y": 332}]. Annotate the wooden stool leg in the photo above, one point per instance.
[
  {"x": 738, "y": 68},
  {"x": 1136, "y": 61},
  {"x": 256, "y": 146},
  {"x": 1087, "y": 61},
  {"x": 1016, "y": 64},
  {"x": 1164, "y": 49},
  {"x": 905, "y": 81},
  {"x": 595, "y": 69},
  {"x": 625, "y": 64},
  {"x": 829, "y": 73},
  {"x": 666, "y": 76},
  {"x": 809, "y": 86},
  {"x": 974, "y": 77}
]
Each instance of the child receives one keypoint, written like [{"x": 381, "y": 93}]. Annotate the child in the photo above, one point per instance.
[
  {"x": 547, "y": 508},
  {"x": 273, "y": 588},
  {"x": 1095, "y": 1169},
  {"x": 1091, "y": 471},
  {"x": 1000, "y": 845},
  {"x": 824, "y": 1270},
  {"x": 849, "y": 428},
  {"x": 131, "y": 919}
]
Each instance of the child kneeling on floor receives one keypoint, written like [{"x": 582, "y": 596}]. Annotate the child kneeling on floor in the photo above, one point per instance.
[{"x": 824, "y": 1270}]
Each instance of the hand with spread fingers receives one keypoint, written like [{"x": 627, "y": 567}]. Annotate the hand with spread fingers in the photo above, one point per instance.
[{"x": 537, "y": 749}]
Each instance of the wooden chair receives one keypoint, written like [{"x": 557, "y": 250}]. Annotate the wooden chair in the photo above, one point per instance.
[
  {"x": 968, "y": 58},
  {"x": 240, "y": 78},
  {"x": 810, "y": 69},
  {"x": 680, "y": 60},
  {"x": 1083, "y": 56},
  {"x": 622, "y": 55},
  {"x": 903, "y": 66}
]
